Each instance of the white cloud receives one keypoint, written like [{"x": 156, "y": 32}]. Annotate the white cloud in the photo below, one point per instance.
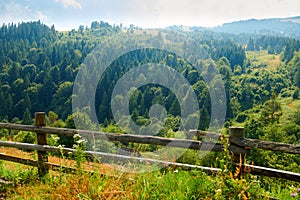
[
  {"x": 153, "y": 13},
  {"x": 70, "y": 3},
  {"x": 15, "y": 12}
]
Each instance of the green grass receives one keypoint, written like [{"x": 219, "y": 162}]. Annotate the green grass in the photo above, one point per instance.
[
  {"x": 261, "y": 59},
  {"x": 164, "y": 184}
]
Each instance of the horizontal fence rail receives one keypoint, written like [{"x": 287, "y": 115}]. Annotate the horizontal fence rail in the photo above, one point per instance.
[
  {"x": 238, "y": 145},
  {"x": 141, "y": 139},
  {"x": 264, "y": 171},
  {"x": 34, "y": 163},
  {"x": 267, "y": 145},
  {"x": 99, "y": 155}
]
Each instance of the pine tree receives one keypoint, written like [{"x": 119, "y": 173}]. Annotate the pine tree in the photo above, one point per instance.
[
  {"x": 26, "y": 119},
  {"x": 251, "y": 46}
]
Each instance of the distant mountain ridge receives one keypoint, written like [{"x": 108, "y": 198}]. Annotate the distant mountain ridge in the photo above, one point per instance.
[
  {"x": 287, "y": 27},
  {"x": 282, "y": 26}
]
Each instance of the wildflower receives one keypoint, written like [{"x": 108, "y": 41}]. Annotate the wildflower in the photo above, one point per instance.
[
  {"x": 81, "y": 141},
  {"x": 176, "y": 171},
  {"x": 293, "y": 195},
  {"x": 60, "y": 147},
  {"x": 76, "y": 136},
  {"x": 298, "y": 190}
]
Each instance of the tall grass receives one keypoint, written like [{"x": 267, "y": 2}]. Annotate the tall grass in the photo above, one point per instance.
[{"x": 164, "y": 184}]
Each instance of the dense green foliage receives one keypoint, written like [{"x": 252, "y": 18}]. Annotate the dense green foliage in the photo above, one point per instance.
[{"x": 39, "y": 65}]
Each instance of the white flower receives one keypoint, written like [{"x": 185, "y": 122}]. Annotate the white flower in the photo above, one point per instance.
[
  {"x": 77, "y": 136},
  {"x": 81, "y": 141},
  {"x": 60, "y": 147}
]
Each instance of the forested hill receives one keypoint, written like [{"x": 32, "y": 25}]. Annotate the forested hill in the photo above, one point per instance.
[{"x": 38, "y": 66}]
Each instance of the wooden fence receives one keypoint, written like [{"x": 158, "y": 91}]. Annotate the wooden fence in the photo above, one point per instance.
[{"x": 238, "y": 145}]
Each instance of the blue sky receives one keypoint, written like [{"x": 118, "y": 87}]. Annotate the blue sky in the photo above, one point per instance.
[{"x": 68, "y": 14}]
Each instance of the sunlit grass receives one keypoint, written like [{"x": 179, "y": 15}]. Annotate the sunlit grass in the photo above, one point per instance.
[
  {"x": 163, "y": 184},
  {"x": 261, "y": 59}
]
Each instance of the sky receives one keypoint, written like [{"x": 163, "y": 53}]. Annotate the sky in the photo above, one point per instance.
[{"x": 69, "y": 14}]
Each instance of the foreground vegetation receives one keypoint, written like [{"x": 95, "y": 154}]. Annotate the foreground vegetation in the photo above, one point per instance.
[{"x": 23, "y": 183}]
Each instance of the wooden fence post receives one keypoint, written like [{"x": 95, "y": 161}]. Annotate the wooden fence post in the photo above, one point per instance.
[
  {"x": 238, "y": 152},
  {"x": 41, "y": 138}
]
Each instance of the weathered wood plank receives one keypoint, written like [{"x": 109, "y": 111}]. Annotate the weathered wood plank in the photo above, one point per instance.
[
  {"x": 171, "y": 142},
  {"x": 34, "y": 163},
  {"x": 264, "y": 171},
  {"x": 101, "y": 155},
  {"x": 19, "y": 160},
  {"x": 267, "y": 145},
  {"x": 142, "y": 139},
  {"x": 237, "y": 152},
  {"x": 48, "y": 130},
  {"x": 41, "y": 139}
]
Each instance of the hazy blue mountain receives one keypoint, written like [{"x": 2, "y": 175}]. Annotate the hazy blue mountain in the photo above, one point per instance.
[
  {"x": 277, "y": 26},
  {"x": 288, "y": 27}
]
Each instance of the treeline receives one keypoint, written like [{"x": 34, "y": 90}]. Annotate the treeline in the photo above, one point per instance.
[
  {"x": 38, "y": 64},
  {"x": 275, "y": 45}
]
